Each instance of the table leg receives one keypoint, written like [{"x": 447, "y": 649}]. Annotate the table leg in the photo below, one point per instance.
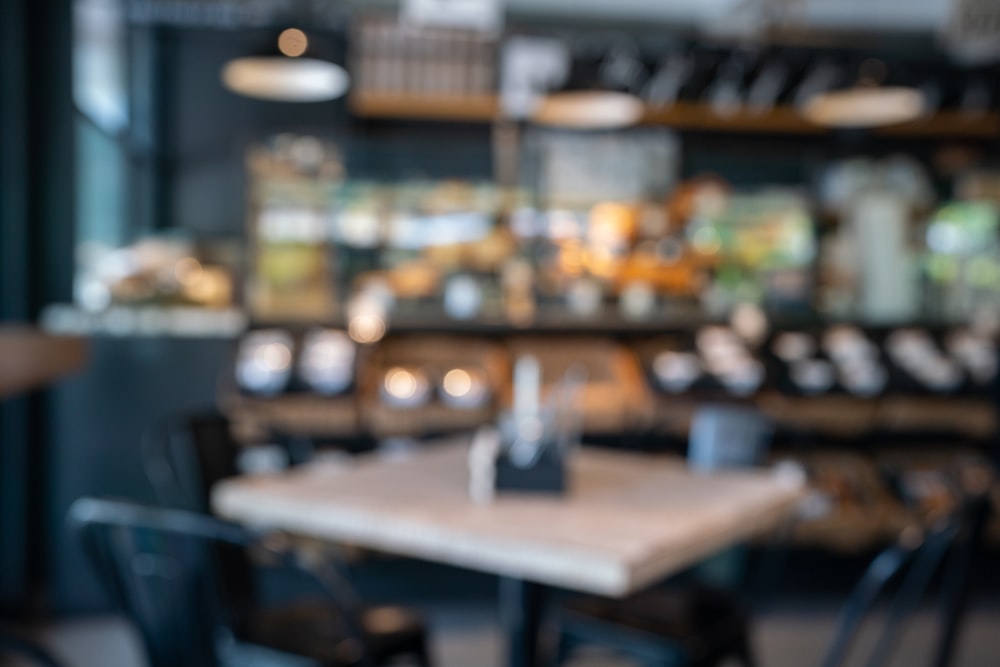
[{"x": 521, "y": 604}]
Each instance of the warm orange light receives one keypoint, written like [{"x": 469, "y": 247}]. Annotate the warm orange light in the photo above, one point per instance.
[
  {"x": 187, "y": 270},
  {"x": 366, "y": 328},
  {"x": 458, "y": 382},
  {"x": 611, "y": 223},
  {"x": 570, "y": 258},
  {"x": 602, "y": 262},
  {"x": 401, "y": 383},
  {"x": 293, "y": 42}
]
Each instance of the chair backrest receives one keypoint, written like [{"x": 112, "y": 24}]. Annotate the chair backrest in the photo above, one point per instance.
[
  {"x": 160, "y": 566},
  {"x": 184, "y": 458},
  {"x": 157, "y": 564},
  {"x": 725, "y": 436},
  {"x": 919, "y": 559},
  {"x": 722, "y": 437}
]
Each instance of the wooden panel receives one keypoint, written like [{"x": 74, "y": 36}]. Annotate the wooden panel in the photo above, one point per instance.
[
  {"x": 628, "y": 520},
  {"x": 307, "y": 415},
  {"x": 844, "y": 416},
  {"x": 471, "y": 108},
  {"x": 615, "y": 398},
  {"x": 974, "y": 418},
  {"x": 435, "y": 355},
  {"x": 30, "y": 359}
]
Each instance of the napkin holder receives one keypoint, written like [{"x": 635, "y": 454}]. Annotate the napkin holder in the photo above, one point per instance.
[
  {"x": 533, "y": 451},
  {"x": 546, "y": 475}
]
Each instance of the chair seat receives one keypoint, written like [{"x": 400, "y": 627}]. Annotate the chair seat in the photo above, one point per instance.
[
  {"x": 315, "y": 630},
  {"x": 702, "y": 624}
]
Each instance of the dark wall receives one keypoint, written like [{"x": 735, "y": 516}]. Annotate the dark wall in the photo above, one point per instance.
[
  {"x": 208, "y": 128},
  {"x": 13, "y": 301},
  {"x": 97, "y": 421},
  {"x": 36, "y": 250}
]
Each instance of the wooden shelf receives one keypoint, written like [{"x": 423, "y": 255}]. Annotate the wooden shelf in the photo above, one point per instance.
[
  {"x": 950, "y": 124},
  {"x": 698, "y": 116},
  {"x": 681, "y": 116}
]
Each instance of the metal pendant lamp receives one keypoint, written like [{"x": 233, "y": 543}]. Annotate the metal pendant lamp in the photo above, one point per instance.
[
  {"x": 597, "y": 95},
  {"x": 867, "y": 102},
  {"x": 287, "y": 70}
]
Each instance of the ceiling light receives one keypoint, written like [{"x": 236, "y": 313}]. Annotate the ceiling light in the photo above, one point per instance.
[
  {"x": 284, "y": 79},
  {"x": 284, "y": 75},
  {"x": 866, "y": 103}
]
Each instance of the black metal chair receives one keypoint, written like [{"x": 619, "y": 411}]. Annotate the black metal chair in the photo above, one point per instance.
[
  {"x": 184, "y": 459},
  {"x": 684, "y": 627},
  {"x": 161, "y": 569}
]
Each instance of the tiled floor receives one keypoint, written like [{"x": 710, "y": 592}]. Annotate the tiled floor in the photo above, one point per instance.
[{"x": 467, "y": 637}]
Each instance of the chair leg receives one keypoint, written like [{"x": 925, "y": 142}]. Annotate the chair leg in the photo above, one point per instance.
[
  {"x": 421, "y": 654},
  {"x": 744, "y": 651}
]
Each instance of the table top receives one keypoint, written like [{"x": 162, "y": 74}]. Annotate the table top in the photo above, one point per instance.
[
  {"x": 627, "y": 521},
  {"x": 30, "y": 359}
]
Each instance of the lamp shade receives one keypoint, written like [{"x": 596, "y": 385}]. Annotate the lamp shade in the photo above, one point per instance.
[
  {"x": 865, "y": 106},
  {"x": 589, "y": 110}
]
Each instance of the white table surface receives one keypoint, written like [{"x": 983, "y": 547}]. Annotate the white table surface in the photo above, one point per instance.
[{"x": 627, "y": 521}]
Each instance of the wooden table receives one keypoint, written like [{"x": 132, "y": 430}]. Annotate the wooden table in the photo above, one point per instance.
[
  {"x": 30, "y": 359},
  {"x": 628, "y": 520}
]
